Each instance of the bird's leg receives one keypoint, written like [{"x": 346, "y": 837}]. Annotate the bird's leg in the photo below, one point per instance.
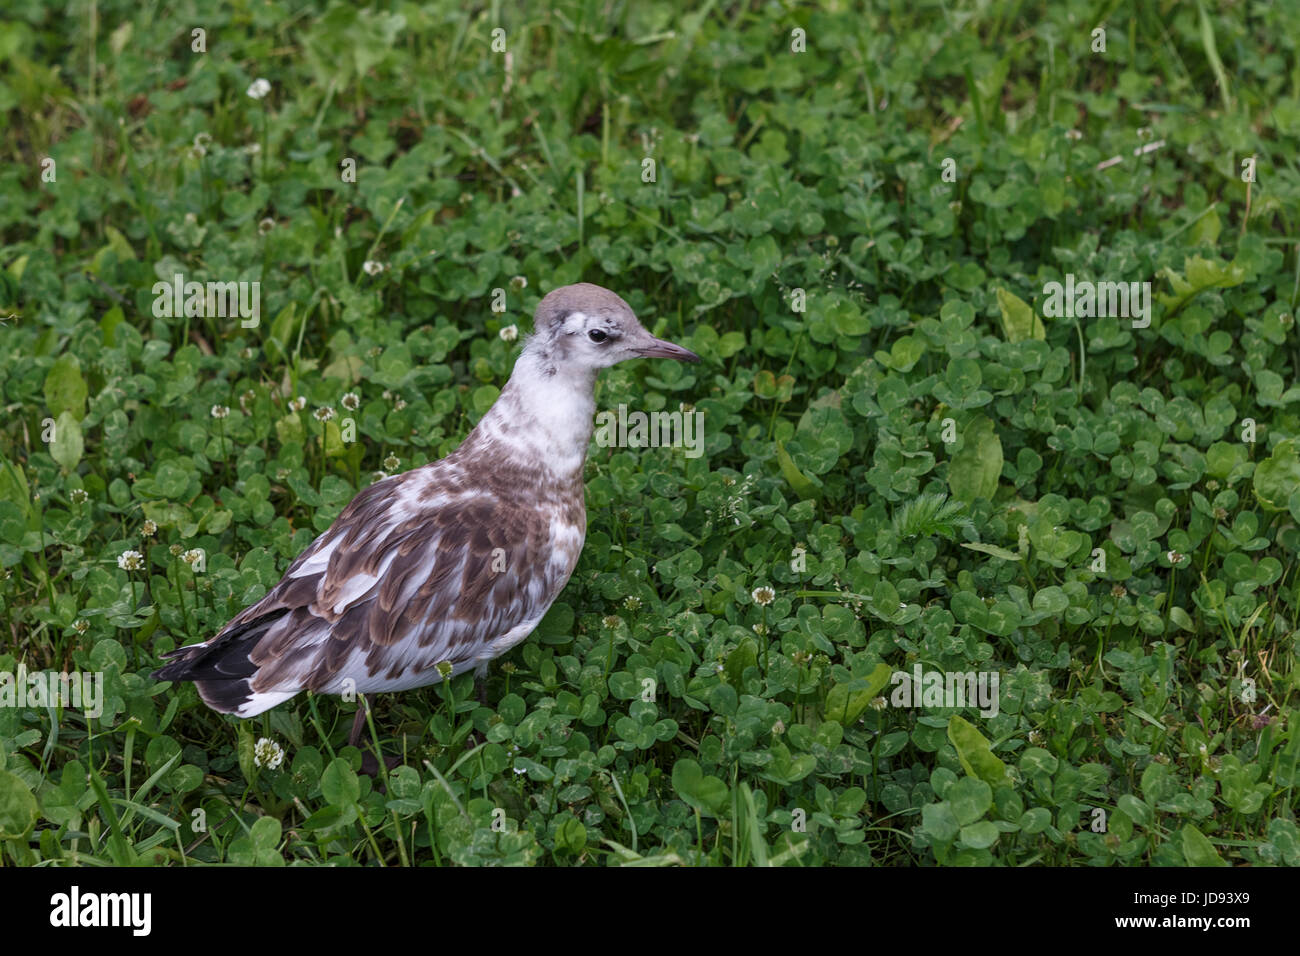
[
  {"x": 354, "y": 738},
  {"x": 480, "y": 685},
  {"x": 370, "y": 766},
  {"x": 369, "y": 763}
]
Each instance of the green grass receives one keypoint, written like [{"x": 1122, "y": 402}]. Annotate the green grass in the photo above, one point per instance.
[{"x": 923, "y": 465}]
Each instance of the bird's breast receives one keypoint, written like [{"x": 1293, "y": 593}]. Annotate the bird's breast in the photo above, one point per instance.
[{"x": 568, "y": 532}]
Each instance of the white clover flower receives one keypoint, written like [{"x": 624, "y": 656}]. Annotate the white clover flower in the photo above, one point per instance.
[
  {"x": 192, "y": 556},
  {"x": 79, "y": 496},
  {"x": 611, "y": 621},
  {"x": 391, "y": 462},
  {"x": 632, "y": 603},
  {"x": 246, "y": 399},
  {"x": 399, "y": 404},
  {"x": 259, "y": 88},
  {"x": 297, "y": 404},
  {"x": 372, "y": 268},
  {"x": 519, "y": 283},
  {"x": 81, "y": 625},
  {"x": 324, "y": 413},
  {"x": 265, "y": 226},
  {"x": 879, "y": 703},
  {"x": 148, "y": 529},
  {"x": 509, "y": 333},
  {"x": 220, "y": 411},
  {"x": 378, "y": 476},
  {"x": 763, "y": 596},
  {"x": 759, "y": 629},
  {"x": 267, "y": 753},
  {"x": 130, "y": 560},
  {"x": 351, "y": 401}
]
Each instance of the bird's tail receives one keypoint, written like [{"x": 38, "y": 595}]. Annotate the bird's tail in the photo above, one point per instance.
[{"x": 222, "y": 669}]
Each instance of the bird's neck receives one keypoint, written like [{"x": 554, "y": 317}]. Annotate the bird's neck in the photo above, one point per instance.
[{"x": 542, "y": 418}]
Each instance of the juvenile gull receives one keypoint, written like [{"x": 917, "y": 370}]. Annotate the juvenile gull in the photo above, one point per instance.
[{"x": 456, "y": 561}]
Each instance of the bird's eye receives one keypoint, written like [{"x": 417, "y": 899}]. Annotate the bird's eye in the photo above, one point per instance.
[{"x": 596, "y": 335}]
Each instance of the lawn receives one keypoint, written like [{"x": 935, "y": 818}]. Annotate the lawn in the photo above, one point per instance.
[{"x": 996, "y": 306}]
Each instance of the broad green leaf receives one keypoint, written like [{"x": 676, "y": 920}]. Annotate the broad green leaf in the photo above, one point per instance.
[
  {"x": 339, "y": 784},
  {"x": 18, "y": 807},
  {"x": 1136, "y": 809},
  {"x": 1199, "y": 275},
  {"x": 68, "y": 446},
  {"x": 980, "y": 836},
  {"x": 244, "y": 744},
  {"x": 1206, "y": 229},
  {"x": 706, "y": 794},
  {"x": 281, "y": 327},
  {"x": 991, "y": 549},
  {"x": 974, "y": 471},
  {"x": 65, "y": 389},
  {"x": 970, "y": 798},
  {"x": 744, "y": 656},
  {"x": 904, "y": 354},
  {"x": 802, "y": 486},
  {"x": 1019, "y": 321},
  {"x": 973, "y": 751},
  {"x": 1035, "y": 820},
  {"x": 1198, "y": 850},
  {"x": 570, "y": 836},
  {"x": 939, "y": 822},
  {"x": 846, "y": 702},
  {"x": 1278, "y": 476}
]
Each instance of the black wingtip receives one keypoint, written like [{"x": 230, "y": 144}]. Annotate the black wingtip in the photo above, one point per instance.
[{"x": 224, "y": 658}]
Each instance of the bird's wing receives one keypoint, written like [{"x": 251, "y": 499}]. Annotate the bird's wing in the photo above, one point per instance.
[{"x": 413, "y": 572}]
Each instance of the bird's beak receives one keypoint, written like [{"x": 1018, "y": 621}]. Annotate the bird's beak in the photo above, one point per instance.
[{"x": 658, "y": 348}]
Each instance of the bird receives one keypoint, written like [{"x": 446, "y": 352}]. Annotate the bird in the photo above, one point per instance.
[{"x": 441, "y": 569}]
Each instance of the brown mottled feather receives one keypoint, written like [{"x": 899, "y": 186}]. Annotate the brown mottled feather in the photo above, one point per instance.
[{"x": 440, "y": 570}]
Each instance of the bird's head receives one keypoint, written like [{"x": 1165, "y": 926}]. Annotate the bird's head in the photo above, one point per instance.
[{"x": 585, "y": 327}]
